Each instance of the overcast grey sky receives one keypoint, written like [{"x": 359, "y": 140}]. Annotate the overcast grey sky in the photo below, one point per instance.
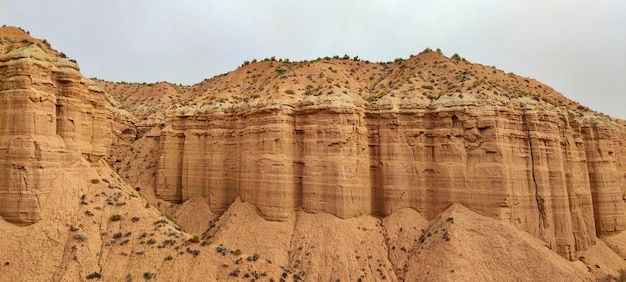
[{"x": 577, "y": 47}]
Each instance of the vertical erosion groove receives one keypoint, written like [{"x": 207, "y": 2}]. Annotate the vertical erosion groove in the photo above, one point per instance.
[{"x": 538, "y": 198}]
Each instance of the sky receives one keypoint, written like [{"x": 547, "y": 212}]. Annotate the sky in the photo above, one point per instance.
[{"x": 577, "y": 47}]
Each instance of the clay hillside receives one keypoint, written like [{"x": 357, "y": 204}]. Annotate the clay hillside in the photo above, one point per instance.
[{"x": 424, "y": 169}]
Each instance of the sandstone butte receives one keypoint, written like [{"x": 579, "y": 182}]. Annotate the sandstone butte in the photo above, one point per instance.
[{"x": 426, "y": 169}]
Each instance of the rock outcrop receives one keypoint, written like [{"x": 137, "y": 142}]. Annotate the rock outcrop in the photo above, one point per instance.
[
  {"x": 548, "y": 169},
  {"x": 51, "y": 118}
]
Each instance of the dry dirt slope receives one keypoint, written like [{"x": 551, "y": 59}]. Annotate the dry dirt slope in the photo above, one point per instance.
[{"x": 95, "y": 226}]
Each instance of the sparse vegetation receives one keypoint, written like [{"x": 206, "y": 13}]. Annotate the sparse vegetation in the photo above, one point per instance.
[
  {"x": 458, "y": 57},
  {"x": 95, "y": 181},
  {"x": 94, "y": 275},
  {"x": 115, "y": 217},
  {"x": 148, "y": 275},
  {"x": 80, "y": 238}
]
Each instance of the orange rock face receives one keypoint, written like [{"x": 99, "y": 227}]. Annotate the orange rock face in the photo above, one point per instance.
[
  {"x": 51, "y": 118},
  {"x": 549, "y": 172}
]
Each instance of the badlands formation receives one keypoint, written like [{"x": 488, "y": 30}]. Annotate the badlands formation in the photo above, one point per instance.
[{"x": 427, "y": 168}]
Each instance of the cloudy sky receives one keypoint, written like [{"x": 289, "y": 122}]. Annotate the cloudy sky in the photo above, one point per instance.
[{"x": 577, "y": 47}]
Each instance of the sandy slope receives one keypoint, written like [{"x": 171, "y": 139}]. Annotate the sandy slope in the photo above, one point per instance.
[{"x": 461, "y": 245}]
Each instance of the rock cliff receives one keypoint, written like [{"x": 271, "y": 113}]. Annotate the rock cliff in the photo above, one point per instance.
[
  {"x": 424, "y": 133},
  {"x": 51, "y": 118}
]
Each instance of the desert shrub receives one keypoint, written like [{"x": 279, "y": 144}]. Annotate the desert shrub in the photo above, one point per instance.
[
  {"x": 237, "y": 252},
  {"x": 95, "y": 275},
  {"x": 80, "y": 238},
  {"x": 235, "y": 273},
  {"x": 289, "y": 91},
  {"x": 95, "y": 181},
  {"x": 115, "y": 217},
  {"x": 429, "y": 87}
]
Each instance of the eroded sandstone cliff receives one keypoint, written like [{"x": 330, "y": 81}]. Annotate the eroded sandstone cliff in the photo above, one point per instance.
[
  {"x": 51, "y": 118},
  {"x": 535, "y": 161}
]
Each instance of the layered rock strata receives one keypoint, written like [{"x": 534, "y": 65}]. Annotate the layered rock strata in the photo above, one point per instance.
[
  {"x": 51, "y": 118},
  {"x": 550, "y": 172}
]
